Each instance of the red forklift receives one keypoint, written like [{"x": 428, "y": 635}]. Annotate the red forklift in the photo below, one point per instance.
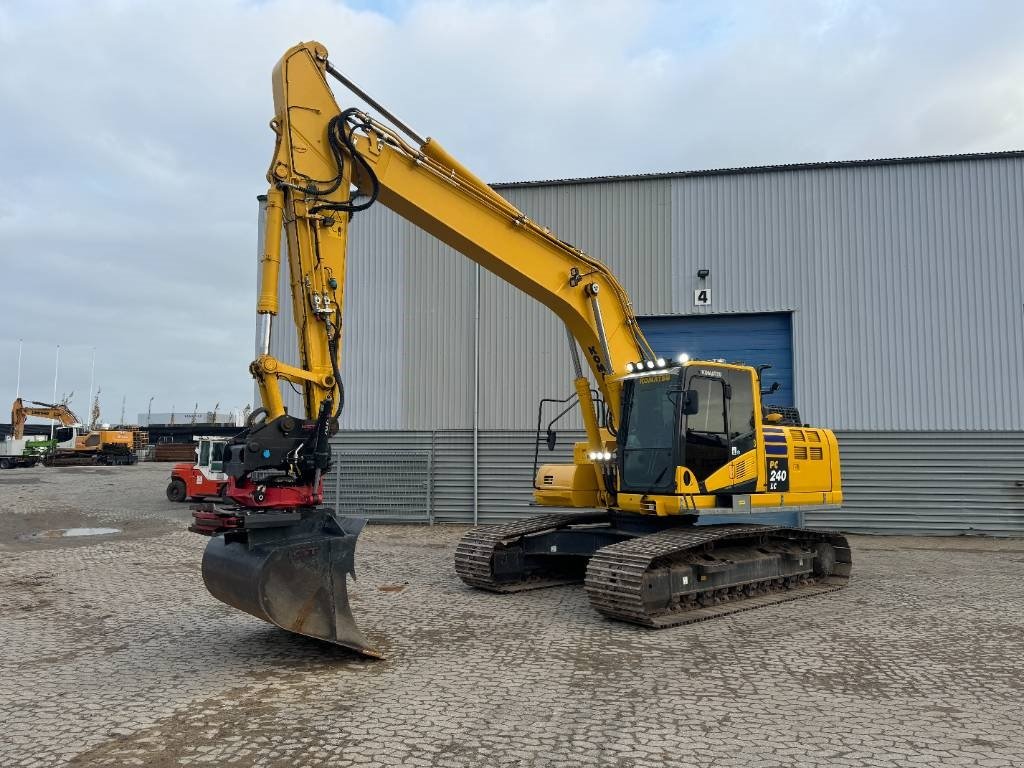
[{"x": 206, "y": 478}]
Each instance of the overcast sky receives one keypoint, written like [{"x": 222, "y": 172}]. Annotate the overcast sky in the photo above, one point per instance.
[{"x": 134, "y": 137}]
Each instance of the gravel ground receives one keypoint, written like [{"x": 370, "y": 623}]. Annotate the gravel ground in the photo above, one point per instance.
[{"x": 114, "y": 654}]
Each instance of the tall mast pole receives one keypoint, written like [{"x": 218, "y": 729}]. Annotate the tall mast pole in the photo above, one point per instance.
[
  {"x": 17, "y": 387},
  {"x": 56, "y": 369},
  {"x": 92, "y": 379}
]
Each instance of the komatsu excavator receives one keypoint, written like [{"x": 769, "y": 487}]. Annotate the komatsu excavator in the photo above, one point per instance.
[{"x": 689, "y": 490}]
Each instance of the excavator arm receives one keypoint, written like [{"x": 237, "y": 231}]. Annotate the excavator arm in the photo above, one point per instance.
[{"x": 278, "y": 554}]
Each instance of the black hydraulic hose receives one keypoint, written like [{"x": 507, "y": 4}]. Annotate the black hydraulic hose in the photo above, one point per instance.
[
  {"x": 336, "y": 133},
  {"x": 339, "y": 160},
  {"x": 333, "y": 349}
]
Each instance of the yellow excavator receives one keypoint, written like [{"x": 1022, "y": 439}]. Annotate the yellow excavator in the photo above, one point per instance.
[
  {"x": 689, "y": 489},
  {"x": 74, "y": 443}
]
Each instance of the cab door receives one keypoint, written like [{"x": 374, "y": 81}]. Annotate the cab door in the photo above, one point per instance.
[
  {"x": 217, "y": 461},
  {"x": 724, "y": 427},
  {"x": 706, "y": 432}
]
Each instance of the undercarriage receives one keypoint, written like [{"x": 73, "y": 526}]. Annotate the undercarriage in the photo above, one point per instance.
[{"x": 656, "y": 571}]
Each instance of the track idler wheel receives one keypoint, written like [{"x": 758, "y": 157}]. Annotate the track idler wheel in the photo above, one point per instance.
[
  {"x": 824, "y": 559},
  {"x": 293, "y": 576}
]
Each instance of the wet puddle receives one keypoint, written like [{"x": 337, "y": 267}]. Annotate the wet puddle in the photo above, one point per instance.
[{"x": 68, "y": 533}]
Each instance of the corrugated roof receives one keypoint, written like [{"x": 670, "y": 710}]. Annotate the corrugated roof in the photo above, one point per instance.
[{"x": 1013, "y": 153}]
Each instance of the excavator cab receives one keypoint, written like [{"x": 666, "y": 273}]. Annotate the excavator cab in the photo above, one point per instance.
[{"x": 700, "y": 416}]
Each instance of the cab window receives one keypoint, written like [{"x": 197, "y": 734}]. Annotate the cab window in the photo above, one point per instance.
[
  {"x": 741, "y": 411},
  {"x": 711, "y": 416},
  {"x": 647, "y": 446},
  {"x": 204, "y": 454},
  {"x": 707, "y": 441},
  {"x": 217, "y": 457}
]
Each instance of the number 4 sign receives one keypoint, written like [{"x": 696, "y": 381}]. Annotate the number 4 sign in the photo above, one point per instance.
[{"x": 702, "y": 297}]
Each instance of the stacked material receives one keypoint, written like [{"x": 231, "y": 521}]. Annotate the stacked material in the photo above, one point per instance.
[{"x": 175, "y": 452}]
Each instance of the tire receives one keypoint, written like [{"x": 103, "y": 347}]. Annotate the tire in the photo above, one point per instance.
[
  {"x": 5, "y": 464},
  {"x": 176, "y": 490}
]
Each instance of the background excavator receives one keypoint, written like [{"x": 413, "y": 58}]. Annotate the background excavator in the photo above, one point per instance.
[
  {"x": 691, "y": 488},
  {"x": 73, "y": 443}
]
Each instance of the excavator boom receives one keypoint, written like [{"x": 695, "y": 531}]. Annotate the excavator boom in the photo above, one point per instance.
[{"x": 58, "y": 412}]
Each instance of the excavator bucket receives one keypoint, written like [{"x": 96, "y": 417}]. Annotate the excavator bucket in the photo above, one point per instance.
[{"x": 291, "y": 571}]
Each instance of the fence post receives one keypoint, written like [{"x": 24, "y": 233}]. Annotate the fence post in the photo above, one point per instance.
[{"x": 430, "y": 484}]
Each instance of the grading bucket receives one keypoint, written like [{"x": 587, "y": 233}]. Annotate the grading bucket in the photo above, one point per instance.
[{"x": 293, "y": 575}]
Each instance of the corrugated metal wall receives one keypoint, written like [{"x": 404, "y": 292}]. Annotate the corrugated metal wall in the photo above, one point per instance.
[
  {"x": 930, "y": 482},
  {"x": 906, "y": 283},
  {"x": 940, "y": 483}
]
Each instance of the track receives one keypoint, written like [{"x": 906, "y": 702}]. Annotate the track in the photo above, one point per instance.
[
  {"x": 677, "y": 576},
  {"x": 619, "y": 577},
  {"x": 474, "y": 557}
]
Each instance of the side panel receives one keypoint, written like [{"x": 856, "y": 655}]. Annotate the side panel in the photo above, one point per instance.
[{"x": 810, "y": 459}]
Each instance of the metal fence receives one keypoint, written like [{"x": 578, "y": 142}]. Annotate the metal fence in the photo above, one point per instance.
[
  {"x": 897, "y": 482},
  {"x": 384, "y": 486}
]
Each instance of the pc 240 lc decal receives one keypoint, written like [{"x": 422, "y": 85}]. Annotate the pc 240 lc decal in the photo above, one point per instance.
[{"x": 778, "y": 474}]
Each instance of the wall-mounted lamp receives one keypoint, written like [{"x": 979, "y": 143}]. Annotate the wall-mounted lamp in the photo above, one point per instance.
[{"x": 703, "y": 273}]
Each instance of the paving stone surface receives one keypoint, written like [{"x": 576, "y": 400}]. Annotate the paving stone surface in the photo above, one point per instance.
[{"x": 114, "y": 654}]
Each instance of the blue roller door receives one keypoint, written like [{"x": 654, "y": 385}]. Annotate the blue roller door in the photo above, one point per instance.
[{"x": 754, "y": 339}]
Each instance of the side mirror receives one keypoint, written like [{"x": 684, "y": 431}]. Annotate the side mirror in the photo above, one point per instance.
[
  {"x": 691, "y": 402},
  {"x": 552, "y": 439}
]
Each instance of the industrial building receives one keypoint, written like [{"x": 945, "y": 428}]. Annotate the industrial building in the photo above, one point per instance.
[{"x": 888, "y": 295}]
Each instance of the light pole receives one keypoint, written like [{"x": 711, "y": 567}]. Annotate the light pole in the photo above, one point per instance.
[
  {"x": 56, "y": 369},
  {"x": 17, "y": 387},
  {"x": 149, "y": 411},
  {"x": 92, "y": 380}
]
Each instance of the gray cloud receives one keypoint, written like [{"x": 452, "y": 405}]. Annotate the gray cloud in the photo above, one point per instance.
[{"x": 135, "y": 136}]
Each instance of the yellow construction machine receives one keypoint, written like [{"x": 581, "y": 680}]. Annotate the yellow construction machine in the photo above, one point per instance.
[
  {"x": 74, "y": 443},
  {"x": 689, "y": 490}
]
